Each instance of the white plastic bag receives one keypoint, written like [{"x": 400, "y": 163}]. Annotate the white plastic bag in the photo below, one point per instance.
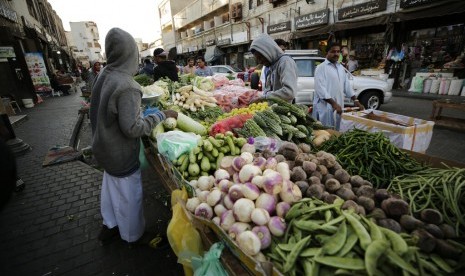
[{"x": 173, "y": 144}]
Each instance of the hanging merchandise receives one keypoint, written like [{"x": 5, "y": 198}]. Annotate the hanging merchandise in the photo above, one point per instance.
[{"x": 435, "y": 86}]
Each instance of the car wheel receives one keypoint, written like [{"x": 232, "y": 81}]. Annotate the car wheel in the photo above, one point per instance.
[
  {"x": 254, "y": 79},
  {"x": 371, "y": 100}
]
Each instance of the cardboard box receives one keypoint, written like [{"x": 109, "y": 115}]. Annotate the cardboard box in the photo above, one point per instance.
[{"x": 403, "y": 131}]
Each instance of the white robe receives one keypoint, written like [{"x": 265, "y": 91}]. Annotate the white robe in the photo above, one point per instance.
[
  {"x": 331, "y": 81},
  {"x": 121, "y": 205}
]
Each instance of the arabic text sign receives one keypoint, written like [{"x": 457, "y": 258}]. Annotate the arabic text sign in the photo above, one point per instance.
[
  {"x": 281, "y": 27},
  {"x": 413, "y": 3},
  {"x": 362, "y": 9},
  {"x": 7, "y": 52},
  {"x": 312, "y": 19}
]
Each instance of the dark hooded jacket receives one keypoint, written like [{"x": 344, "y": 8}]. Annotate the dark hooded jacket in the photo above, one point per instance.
[
  {"x": 116, "y": 120},
  {"x": 282, "y": 78},
  {"x": 166, "y": 68}
]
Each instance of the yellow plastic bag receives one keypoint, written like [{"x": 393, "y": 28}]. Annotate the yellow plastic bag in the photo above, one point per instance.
[{"x": 182, "y": 236}]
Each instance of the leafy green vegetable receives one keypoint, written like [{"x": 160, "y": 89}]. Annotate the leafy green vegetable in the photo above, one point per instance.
[{"x": 143, "y": 80}]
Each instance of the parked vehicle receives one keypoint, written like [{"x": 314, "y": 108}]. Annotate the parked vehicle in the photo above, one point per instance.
[
  {"x": 226, "y": 70},
  {"x": 371, "y": 92}
]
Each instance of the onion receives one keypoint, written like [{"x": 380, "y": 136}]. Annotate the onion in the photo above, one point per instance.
[
  {"x": 260, "y": 216},
  {"x": 224, "y": 185},
  {"x": 237, "y": 228},
  {"x": 282, "y": 208},
  {"x": 248, "y": 157},
  {"x": 277, "y": 226},
  {"x": 216, "y": 220},
  {"x": 248, "y": 148},
  {"x": 221, "y": 174},
  {"x": 204, "y": 210},
  {"x": 214, "y": 197},
  {"x": 203, "y": 196},
  {"x": 271, "y": 163},
  {"x": 263, "y": 233},
  {"x": 260, "y": 162},
  {"x": 249, "y": 242},
  {"x": 243, "y": 209},
  {"x": 258, "y": 181},
  {"x": 204, "y": 183},
  {"x": 267, "y": 202},
  {"x": 227, "y": 202},
  {"x": 250, "y": 191},
  {"x": 238, "y": 163},
  {"x": 248, "y": 172},
  {"x": 192, "y": 203},
  {"x": 227, "y": 220},
  {"x": 273, "y": 183},
  {"x": 219, "y": 209},
  {"x": 235, "y": 192},
  {"x": 290, "y": 192}
]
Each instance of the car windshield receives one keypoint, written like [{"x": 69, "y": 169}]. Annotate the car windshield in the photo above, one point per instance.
[{"x": 305, "y": 67}]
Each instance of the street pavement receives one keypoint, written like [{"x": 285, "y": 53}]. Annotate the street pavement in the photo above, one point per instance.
[{"x": 51, "y": 227}]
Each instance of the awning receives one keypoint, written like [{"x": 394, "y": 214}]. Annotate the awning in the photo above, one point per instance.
[
  {"x": 213, "y": 53},
  {"x": 435, "y": 9},
  {"x": 343, "y": 25}
]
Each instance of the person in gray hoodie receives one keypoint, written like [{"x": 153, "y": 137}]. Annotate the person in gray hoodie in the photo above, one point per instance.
[
  {"x": 117, "y": 125},
  {"x": 281, "y": 79}
]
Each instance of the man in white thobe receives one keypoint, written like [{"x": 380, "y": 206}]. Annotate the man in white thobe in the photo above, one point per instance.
[{"x": 331, "y": 85}]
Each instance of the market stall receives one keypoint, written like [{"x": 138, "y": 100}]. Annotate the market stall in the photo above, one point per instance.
[{"x": 290, "y": 198}]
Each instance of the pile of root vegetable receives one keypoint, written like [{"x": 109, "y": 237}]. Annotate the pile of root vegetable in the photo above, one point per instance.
[{"x": 345, "y": 225}]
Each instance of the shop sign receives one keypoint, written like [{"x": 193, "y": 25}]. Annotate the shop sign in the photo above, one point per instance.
[
  {"x": 362, "y": 9},
  {"x": 36, "y": 65},
  {"x": 7, "y": 52},
  {"x": 7, "y": 13},
  {"x": 222, "y": 42},
  {"x": 312, "y": 19},
  {"x": 210, "y": 42},
  {"x": 414, "y": 3},
  {"x": 281, "y": 27}
]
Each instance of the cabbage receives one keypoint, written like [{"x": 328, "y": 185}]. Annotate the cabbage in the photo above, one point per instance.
[{"x": 204, "y": 83}]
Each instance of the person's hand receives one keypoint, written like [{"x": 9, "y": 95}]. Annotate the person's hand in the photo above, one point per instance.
[
  {"x": 170, "y": 113},
  {"x": 337, "y": 107},
  {"x": 359, "y": 105}
]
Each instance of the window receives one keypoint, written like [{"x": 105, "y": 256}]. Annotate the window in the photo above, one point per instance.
[
  {"x": 250, "y": 4},
  {"x": 224, "y": 70},
  {"x": 215, "y": 69},
  {"x": 259, "y": 2},
  {"x": 31, "y": 8},
  {"x": 305, "y": 67}
]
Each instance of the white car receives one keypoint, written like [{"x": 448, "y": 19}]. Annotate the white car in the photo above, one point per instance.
[
  {"x": 371, "y": 92},
  {"x": 226, "y": 70}
]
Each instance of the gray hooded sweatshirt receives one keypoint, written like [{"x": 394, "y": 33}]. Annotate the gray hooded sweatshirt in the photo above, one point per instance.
[
  {"x": 282, "y": 78},
  {"x": 117, "y": 123}
]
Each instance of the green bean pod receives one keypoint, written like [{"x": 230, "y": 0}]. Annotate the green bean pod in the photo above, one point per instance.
[{"x": 374, "y": 251}]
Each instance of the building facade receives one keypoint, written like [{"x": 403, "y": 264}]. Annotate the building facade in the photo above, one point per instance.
[
  {"x": 427, "y": 31},
  {"x": 32, "y": 46},
  {"x": 85, "y": 37}
]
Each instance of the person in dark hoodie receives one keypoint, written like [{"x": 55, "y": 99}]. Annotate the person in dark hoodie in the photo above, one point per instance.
[
  {"x": 164, "y": 68},
  {"x": 281, "y": 79},
  {"x": 117, "y": 125}
]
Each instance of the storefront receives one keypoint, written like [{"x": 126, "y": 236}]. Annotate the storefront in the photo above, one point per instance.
[{"x": 433, "y": 34}]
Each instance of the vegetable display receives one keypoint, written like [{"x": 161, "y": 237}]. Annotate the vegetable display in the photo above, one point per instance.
[
  {"x": 323, "y": 239},
  {"x": 310, "y": 201},
  {"x": 440, "y": 189},
  {"x": 371, "y": 155}
]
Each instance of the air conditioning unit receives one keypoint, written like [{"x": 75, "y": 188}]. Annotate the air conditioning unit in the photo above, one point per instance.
[{"x": 236, "y": 11}]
